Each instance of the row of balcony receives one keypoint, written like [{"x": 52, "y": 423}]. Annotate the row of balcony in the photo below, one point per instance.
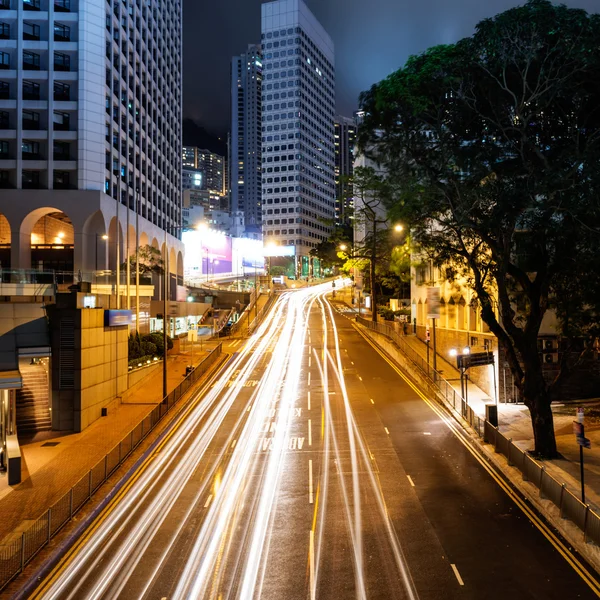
[
  {"x": 32, "y": 61},
  {"x": 36, "y": 5},
  {"x": 32, "y": 31},
  {"x": 33, "y": 91}
]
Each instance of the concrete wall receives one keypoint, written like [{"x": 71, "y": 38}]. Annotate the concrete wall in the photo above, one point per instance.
[{"x": 100, "y": 368}]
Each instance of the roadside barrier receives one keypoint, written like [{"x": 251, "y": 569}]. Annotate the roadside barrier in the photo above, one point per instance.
[
  {"x": 14, "y": 556},
  {"x": 533, "y": 471}
]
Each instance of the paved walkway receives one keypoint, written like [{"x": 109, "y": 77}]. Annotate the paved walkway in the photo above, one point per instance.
[{"x": 49, "y": 471}]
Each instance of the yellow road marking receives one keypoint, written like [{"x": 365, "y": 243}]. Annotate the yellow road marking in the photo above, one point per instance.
[{"x": 529, "y": 513}]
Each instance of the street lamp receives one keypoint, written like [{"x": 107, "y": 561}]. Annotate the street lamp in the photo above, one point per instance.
[{"x": 398, "y": 228}]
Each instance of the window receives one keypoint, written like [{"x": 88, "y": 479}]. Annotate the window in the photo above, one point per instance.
[
  {"x": 31, "y": 180},
  {"x": 30, "y": 149},
  {"x": 31, "y": 61},
  {"x": 31, "y": 90},
  {"x": 4, "y": 90},
  {"x": 60, "y": 181},
  {"x": 31, "y": 31},
  {"x": 62, "y": 33},
  {"x": 62, "y": 5},
  {"x": 4, "y": 31},
  {"x": 4, "y": 120},
  {"x": 62, "y": 91},
  {"x": 4, "y": 149},
  {"x": 62, "y": 62},
  {"x": 31, "y": 120},
  {"x": 31, "y": 4},
  {"x": 61, "y": 121},
  {"x": 61, "y": 151}
]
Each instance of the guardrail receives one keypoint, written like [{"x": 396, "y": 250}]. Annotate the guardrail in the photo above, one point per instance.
[
  {"x": 262, "y": 312},
  {"x": 570, "y": 506},
  {"x": 14, "y": 556}
]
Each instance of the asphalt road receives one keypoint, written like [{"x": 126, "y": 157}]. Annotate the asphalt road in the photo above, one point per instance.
[{"x": 312, "y": 469}]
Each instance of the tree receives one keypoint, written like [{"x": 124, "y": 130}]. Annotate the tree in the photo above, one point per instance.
[
  {"x": 150, "y": 258},
  {"x": 494, "y": 146}
]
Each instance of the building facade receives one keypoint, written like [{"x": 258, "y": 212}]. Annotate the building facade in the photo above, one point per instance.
[
  {"x": 245, "y": 150},
  {"x": 298, "y": 108},
  {"x": 345, "y": 142},
  {"x": 90, "y": 129},
  {"x": 211, "y": 165}
]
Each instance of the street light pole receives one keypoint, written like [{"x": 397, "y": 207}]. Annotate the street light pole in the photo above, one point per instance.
[
  {"x": 165, "y": 307},
  {"x": 137, "y": 262}
]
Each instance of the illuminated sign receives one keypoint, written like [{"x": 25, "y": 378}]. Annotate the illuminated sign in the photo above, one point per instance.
[
  {"x": 273, "y": 250},
  {"x": 117, "y": 318}
]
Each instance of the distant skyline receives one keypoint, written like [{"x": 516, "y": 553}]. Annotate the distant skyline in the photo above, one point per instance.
[{"x": 372, "y": 39}]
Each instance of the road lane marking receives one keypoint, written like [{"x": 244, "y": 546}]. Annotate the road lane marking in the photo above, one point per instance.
[
  {"x": 351, "y": 362},
  {"x": 207, "y": 503},
  {"x": 309, "y": 433},
  {"x": 387, "y": 430},
  {"x": 426, "y": 433},
  {"x": 310, "y": 361},
  {"x": 233, "y": 444},
  {"x": 360, "y": 377},
  {"x": 309, "y": 378},
  {"x": 460, "y": 581},
  {"x": 372, "y": 401},
  {"x": 311, "y": 560},
  {"x": 448, "y": 420},
  {"x": 410, "y": 480},
  {"x": 310, "y": 483},
  {"x": 308, "y": 400}
]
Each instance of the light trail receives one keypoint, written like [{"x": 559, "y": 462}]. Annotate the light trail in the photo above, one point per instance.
[{"x": 237, "y": 495}]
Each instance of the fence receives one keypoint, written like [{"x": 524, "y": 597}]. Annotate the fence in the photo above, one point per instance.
[
  {"x": 14, "y": 556},
  {"x": 571, "y": 508},
  {"x": 249, "y": 326}
]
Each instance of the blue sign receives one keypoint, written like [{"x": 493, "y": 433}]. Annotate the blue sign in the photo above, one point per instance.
[{"x": 117, "y": 318}]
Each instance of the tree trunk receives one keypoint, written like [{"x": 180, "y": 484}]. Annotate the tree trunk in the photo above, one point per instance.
[
  {"x": 537, "y": 399},
  {"x": 373, "y": 256}
]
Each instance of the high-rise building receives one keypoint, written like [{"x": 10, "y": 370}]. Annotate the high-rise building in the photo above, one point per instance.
[
  {"x": 298, "y": 107},
  {"x": 210, "y": 164},
  {"x": 245, "y": 145},
  {"x": 90, "y": 125},
  {"x": 345, "y": 141}
]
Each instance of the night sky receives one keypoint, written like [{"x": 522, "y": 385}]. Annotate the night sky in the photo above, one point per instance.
[{"x": 372, "y": 38}]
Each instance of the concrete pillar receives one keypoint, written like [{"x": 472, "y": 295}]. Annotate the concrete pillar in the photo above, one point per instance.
[{"x": 20, "y": 249}]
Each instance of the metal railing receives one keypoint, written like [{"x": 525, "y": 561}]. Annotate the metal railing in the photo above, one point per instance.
[
  {"x": 15, "y": 555},
  {"x": 587, "y": 518}
]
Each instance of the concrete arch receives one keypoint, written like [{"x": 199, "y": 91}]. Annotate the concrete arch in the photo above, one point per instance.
[
  {"x": 144, "y": 240},
  {"x": 51, "y": 233},
  {"x": 112, "y": 244},
  {"x": 92, "y": 251},
  {"x": 180, "y": 268},
  {"x": 172, "y": 260}
]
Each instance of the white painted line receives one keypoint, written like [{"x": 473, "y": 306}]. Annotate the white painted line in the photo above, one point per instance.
[
  {"x": 309, "y": 432},
  {"x": 460, "y": 581},
  {"x": 360, "y": 377},
  {"x": 372, "y": 401},
  {"x": 207, "y": 503},
  {"x": 351, "y": 362},
  {"x": 387, "y": 430},
  {"x": 308, "y": 400},
  {"x": 311, "y": 555},
  {"x": 411, "y": 481},
  {"x": 249, "y": 407},
  {"x": 309, "y": 378},
  {"x": 426, "y": 433},
  {"x": 233, "y": 444},
  {"x": 310, "y": 483}
]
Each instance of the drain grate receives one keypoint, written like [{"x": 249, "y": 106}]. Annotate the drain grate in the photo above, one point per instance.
[{"x": 50, "y": 444}]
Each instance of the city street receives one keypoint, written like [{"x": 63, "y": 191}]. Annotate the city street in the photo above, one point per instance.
[{"x": 313, "y": 469}]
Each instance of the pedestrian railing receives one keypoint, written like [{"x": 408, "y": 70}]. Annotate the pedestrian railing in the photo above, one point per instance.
[
  {"x": 262, "y": 312},
  {"x": 533, "y": 471},
  {"x": 15, "y": 555}
]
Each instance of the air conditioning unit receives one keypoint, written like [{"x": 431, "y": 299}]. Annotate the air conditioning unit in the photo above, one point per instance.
[{"x": 551, "y": 358}]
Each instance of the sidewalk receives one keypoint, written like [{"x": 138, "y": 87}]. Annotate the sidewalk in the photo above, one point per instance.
[{"x": 49, "y": 471}]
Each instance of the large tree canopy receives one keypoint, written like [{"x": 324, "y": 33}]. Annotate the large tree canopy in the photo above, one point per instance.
[{"x": 493, "y": 144}]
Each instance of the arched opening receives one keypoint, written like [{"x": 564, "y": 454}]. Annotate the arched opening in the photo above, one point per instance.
[
  {"x": 95, "y": 243},
  {"x": 52, "y": 240},
  {"x": 112, "y": 245},
  {"x": 5, "y": 235},
  {"x": 180, "y": 268}
]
